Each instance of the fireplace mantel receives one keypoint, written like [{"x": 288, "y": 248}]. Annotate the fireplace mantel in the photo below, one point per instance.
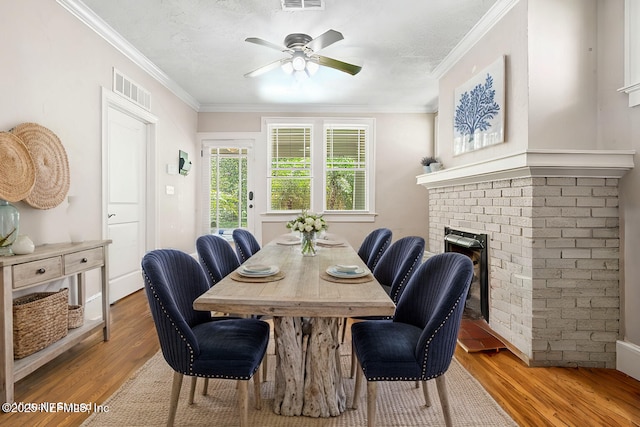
[{"x": 536, "y": 163}]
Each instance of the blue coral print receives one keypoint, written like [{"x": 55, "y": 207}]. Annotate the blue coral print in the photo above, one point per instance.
[{"x": 476, "y": 109}]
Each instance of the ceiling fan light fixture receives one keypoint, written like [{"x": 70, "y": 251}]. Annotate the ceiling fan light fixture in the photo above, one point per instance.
[
  {"x": 298, "y": 62},
  {"x": 287, "y": 67},
  {"x": 312, "y": 67}
]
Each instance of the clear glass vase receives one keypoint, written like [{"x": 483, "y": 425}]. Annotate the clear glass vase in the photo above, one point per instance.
[
  {"x": 9, "y": 219},
  {"x": 308, "y": 243}
]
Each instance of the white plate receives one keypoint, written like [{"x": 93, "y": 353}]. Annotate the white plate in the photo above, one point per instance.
[
  {"x": 248, "y": 272},
  {"x": 336, "y": 272},
  {"x": 325, "y": 242}
]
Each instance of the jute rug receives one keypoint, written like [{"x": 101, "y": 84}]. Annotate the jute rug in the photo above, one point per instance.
[{"x": 143, "y": 401}]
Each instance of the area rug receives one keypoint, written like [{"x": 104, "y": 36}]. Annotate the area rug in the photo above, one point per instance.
[{"x": 144, "y": 401}]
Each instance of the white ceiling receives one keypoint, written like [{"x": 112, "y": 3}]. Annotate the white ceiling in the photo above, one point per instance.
[{"x": 198, "y": 46}]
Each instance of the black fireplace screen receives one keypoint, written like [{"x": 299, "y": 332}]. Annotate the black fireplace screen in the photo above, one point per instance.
[{"x": 475, "y": 247}]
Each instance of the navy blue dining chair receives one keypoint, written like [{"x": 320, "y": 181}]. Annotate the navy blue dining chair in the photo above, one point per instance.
[
  {"x": 246, "y": 244},
  {"x": 218, "y": 260},
  {"x": 374, "y": 245},
  {"x": 395, "y": 268},
  {"x": 419, "y": 343},
  {"x": 193, "y": 343},
  {"x": 370, "y": 251},
  {"x": 217, "y": 257}
]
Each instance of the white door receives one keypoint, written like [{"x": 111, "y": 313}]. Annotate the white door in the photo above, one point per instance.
[
  {"x": 126, "y": 164},
  {"x": 228, "y": 179}
]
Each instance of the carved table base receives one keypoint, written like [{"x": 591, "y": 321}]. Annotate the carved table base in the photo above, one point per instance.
[{"x": 308, "y": 379}]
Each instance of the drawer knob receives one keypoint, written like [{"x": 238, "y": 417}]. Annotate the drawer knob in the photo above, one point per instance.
[
  {"x": 41, "y": 271},
  {"x": 84, "y": 260}
]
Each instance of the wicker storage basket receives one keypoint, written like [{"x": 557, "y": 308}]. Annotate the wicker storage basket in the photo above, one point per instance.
[
  {"x": 76, "y": 316},
  {"x": 39, "y": 320}
]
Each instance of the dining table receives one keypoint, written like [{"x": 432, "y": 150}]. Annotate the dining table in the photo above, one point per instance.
[{"x": 307, "y": 297}]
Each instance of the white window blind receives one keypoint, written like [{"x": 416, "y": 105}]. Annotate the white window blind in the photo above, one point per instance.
[
  {"x": 346, "y": 177},
  {"x": 290, "y": 162}
]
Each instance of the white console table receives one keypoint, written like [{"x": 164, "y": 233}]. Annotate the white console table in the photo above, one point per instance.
[{"x": 48, "y": 263}]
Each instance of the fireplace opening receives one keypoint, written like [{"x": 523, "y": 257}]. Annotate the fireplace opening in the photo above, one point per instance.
[{"x": 475, "y": 247}]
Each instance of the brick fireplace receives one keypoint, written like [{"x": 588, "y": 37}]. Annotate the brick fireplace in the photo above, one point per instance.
[{"x": 551, "y": 219}]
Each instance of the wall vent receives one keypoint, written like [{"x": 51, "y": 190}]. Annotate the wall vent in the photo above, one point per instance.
[
  {"x": 291, "y": 5},
  {"x": 131, "y": 90}
]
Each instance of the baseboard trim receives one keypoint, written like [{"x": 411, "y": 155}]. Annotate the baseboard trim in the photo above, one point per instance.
[{"x": 628, "y": 359}]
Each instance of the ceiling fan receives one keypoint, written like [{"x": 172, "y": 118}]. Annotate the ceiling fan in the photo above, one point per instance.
[{"x": 304, "y": 58}]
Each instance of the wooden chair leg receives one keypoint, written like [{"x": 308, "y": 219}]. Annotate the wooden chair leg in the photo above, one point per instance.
[
  {"x": 192, "y": 391},
  {"x": 344, "y": 329},
  {"x": 425, "y": 392},
  {"x": 265, "y": 367},
  {"x": 357, "y": 387},
  {"x": 257, "y": 395},
  {"x": 444, "y": 399},
  {"x": 372, "y": 393},
  {"x": 175, "y": 394},
  {"x": 243, "y": 402},
  {"x": 353, "y": 362}
]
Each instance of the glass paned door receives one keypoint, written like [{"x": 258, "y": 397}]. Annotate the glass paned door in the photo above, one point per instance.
[{"x": 228, "y": 189}]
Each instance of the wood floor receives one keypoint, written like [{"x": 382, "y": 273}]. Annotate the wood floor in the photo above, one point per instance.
[{"x": 93, "y": 370}]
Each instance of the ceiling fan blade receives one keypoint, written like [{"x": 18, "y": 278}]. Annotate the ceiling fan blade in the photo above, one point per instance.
[
  {"x": 262, "y": 42},
  {"x": 339, "y": 65},
  {"x": 323, "y": 40},
  {"x": 265, "y": 68}
]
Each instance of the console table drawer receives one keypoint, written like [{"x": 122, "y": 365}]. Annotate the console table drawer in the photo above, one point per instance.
[
  {"x": 84, "y": 260},
  {"x": 40, "y": 271}
]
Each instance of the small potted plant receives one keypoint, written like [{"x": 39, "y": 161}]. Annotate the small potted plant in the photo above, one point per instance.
[{"x": 426, "y": 163}]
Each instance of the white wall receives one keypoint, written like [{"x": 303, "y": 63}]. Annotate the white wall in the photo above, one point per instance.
[
  {"x": 53, "y": 68},
  {"x": 562, "y": 74},
  {"x": 401, "y": 141}
]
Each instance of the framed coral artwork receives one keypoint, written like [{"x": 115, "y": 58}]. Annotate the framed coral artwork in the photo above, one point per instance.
[{"x": 478, "y": 119}]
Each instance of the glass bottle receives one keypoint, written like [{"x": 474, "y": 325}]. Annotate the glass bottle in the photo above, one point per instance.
[{"x": 9, "y": 218}]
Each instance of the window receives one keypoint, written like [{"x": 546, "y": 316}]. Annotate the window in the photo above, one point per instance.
[
  {"x": 321, "y": 164},
  {"x": 290, "y": 167},
  {"x": 345, "y": 169}
]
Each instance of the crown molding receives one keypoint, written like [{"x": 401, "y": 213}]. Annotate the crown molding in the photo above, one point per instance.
[
  {"x": 482, "y": 27},
  {"x": 314, "y": 108},
  {"x": 104, "y": 30}
]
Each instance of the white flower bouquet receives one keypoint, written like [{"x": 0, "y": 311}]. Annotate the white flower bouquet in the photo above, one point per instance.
[{"x": 308, "y": 224}]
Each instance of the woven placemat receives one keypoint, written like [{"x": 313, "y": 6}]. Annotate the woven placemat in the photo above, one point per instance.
[
  {"x": 51, "y": 165},
  {"x": 326, "y": 276},
  {"x": 273, "y": 278},
  {"x": 18, "y": 173}
]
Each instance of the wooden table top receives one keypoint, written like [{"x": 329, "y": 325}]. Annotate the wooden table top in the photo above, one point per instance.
[{"x": 302, "y": 291}]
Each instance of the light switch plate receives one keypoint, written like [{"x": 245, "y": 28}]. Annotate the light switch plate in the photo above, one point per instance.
[{"x": 171, "y": 189}]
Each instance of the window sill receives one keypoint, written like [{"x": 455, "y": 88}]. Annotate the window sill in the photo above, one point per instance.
[{"x": 328, "y": 216}]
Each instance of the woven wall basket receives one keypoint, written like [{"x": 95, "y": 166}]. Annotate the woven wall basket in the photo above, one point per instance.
[
  {"x": 39, "y": 320},
  {"x": 51, "y": 165},
  {"x": 17, "y": 170}
]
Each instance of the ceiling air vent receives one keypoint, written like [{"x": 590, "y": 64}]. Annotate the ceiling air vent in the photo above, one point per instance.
[
  {"x": 126, "y": 87},
  {"x": 302, "y": 4}
]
